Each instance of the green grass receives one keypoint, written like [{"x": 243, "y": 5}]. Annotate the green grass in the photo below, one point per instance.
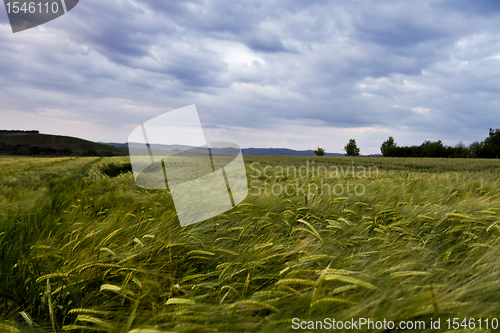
[{"x": 82, "y": 248}]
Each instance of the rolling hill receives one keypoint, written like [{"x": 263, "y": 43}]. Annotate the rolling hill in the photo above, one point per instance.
[
  {"x": 245, "y": 151},
  {"x": 35, "y": 143}
]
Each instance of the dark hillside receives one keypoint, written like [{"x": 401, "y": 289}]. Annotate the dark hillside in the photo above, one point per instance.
[{"x": 33, "y": 143}]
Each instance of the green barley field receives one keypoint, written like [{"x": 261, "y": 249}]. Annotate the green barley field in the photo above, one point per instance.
[{"x": 82, "y": 248}]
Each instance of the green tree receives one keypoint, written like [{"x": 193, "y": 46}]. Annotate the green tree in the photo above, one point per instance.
[
  {"x": 492, "y": 143},
  {"x": 432, "y": 149},
  {"x": 351, "y": 149},
  {"x": 475, "y": 149},
  {"x": 388, "y": 147},
  {"x": 460, "y": 150},
  {"x": 319, "y": 151}
]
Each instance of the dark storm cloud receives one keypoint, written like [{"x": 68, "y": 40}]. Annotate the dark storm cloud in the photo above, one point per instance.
[
  {"x": 426, "y": 67},
  {"x": 398, "y": 26},
  {"x": 231, "y": 20},
  {"x": 477, "y": 7},
  {"x": 267, "y": 44},
  {"x": 119, "y": 29}
]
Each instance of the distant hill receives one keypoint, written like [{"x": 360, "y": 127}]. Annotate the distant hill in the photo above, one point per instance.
[
  {"x": 33, "y": 143},
  {"x": 287, "y": 152},
  {"x": 153, "y": 146},
  {"x": 281, "y": 152},
  {"x": 245, "y": 151}
]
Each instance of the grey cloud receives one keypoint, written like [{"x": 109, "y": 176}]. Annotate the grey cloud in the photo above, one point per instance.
[
  {"x": 266, "y": 43},
  {"x": 259, "y": 64},
  {"x": 477, "y": 7}
]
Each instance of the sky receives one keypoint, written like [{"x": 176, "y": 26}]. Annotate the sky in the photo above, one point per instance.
[{"x": 262, "y": 73}]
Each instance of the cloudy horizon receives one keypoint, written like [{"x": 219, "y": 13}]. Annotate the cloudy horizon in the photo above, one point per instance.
[{"x": 268, "y": 74}]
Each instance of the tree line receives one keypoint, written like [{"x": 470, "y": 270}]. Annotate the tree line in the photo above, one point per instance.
[
  {"x": 489, "y": 148},
  {"x": 27, "y": 150},
  {"x": 20, "y": 131}
]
